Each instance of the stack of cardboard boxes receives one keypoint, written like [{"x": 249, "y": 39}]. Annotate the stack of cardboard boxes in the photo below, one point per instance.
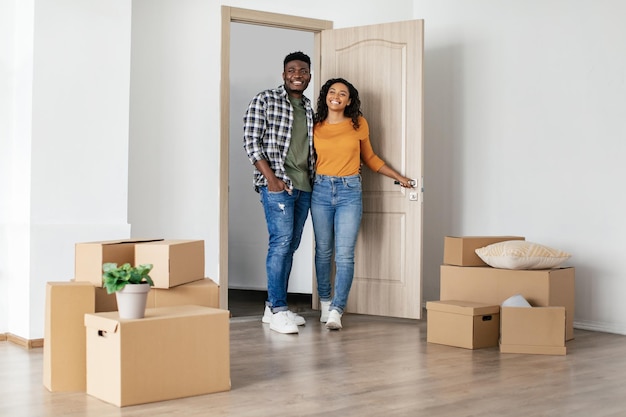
[
  {"x": 471, "y": 293},
  {"x": 178, "y": 270},
  {"x": 181, "y": 347}
]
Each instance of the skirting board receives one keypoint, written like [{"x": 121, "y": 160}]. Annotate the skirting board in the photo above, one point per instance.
[{"x": 25, "y": 343}]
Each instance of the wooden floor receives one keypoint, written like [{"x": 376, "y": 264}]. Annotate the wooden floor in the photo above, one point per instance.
[{"x": 373, "y": 367}]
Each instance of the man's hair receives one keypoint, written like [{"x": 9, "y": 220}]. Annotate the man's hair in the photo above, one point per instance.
[{"x": 297, "y": 56}]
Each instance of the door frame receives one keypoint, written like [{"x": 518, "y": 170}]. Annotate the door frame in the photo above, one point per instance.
[{"x": 253, "y": 17}]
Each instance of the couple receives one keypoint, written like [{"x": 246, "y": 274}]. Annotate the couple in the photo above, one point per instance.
[{"x": 292, "y": 176}]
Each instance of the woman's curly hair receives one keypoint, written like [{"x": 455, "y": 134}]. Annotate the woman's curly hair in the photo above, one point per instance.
[{"x": 353, "y": 110}]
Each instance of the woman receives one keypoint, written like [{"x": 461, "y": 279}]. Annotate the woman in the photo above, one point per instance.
[{"x": 341, "y": 140}]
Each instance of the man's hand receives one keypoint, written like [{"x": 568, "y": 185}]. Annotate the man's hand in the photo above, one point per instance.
[{"x": 274, "y": 184}]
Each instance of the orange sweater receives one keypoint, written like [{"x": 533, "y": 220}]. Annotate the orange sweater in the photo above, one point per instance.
[{"x": 340, "y": 148}]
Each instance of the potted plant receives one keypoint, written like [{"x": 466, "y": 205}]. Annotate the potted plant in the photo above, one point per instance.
[{"x": 131, "y": 285}]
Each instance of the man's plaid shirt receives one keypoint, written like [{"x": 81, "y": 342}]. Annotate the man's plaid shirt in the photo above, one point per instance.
[{"x": 267, "y": 133}]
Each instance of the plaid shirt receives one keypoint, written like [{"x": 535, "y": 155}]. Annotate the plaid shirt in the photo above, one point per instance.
[{"x": 267, "y": 128}]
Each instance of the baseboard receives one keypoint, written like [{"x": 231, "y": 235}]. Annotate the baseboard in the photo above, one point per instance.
[
  {"x": 25, "y": 343},
  {"x": 599, "y": 327}
]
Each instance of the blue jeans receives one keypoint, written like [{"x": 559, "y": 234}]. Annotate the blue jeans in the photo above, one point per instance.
[
  {"x": 285, "y": 215},
  {"x": 336, "y": 209}
]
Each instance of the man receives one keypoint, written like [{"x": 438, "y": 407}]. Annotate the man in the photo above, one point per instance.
[{"x": 278, "y": 138}]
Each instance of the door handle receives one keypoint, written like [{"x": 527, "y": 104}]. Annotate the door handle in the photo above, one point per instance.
[
  {"x": 412, "y": 182},
  {"x": 413, "y": 192}
]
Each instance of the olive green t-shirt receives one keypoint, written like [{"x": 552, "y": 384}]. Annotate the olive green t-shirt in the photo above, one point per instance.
[{"x": 297, "y": 162}]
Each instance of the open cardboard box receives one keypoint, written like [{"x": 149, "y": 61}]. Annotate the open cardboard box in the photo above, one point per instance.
[
  {"x": 542, "y": 288},
  {"x": 89, "y": 257},
  {"x": 535, "y": 330}
]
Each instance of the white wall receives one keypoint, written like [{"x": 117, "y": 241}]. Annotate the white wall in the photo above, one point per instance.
[
  {"x": 10, "y": 14},
  {"x": 66, "y": 146},
  {"x": 526, "y": 134},
  {"x": 174, "y": 122}
]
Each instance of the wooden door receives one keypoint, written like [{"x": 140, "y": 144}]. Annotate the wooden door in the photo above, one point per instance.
[{"x": 384, "y": 62}]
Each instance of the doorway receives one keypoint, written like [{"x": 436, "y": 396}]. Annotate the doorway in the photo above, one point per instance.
[
  {"x": 242, "y": 229},
  {"x": 255, "y": 67},
  {"x": 386, "y": 59}
]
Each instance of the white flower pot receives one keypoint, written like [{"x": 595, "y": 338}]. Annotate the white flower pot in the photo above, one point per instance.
[{"x": 131, "y": 301}]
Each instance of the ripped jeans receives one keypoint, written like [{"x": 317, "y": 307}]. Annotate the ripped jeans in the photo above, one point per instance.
[{"x": 285, "y": 215}]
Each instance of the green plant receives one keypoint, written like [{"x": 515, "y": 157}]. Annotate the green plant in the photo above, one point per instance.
[{"x": 115, "y": 278}]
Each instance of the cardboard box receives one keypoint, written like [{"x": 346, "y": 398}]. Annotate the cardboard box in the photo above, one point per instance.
[
  {"x": 204, "y": 292},
  {"x": 536, "y": 330},
  {"x": 175, "y": 262},
  {"x": 105, "y": 301},
  {"x": 463, "y": 324},
  {"x": 173, "y": 352},
  {"x": 89, "y": 257},
  {"x": 542, "y": 288},
  {"x": 460, "y": 250},
  {"x": 64, "y": 335}
]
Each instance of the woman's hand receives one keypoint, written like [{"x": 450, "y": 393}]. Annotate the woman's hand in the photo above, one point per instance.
[
  {"x": 399, "y": 179},
  {"x": 404, "y": 182}
]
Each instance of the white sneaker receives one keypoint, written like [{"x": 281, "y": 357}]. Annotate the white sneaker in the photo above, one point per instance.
[
  {"x": 324, "y": 306},
  {"x": 334, "y": 320},
  {"x": 281, "y": 322},
  {"x": 298, "y": 319}
]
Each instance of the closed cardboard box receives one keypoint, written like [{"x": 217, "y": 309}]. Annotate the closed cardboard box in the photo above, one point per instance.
[
  {"x": 204, "y": 292},
  {"x": 460, "y": 250},
  {"x": 463, "y": 324},
  {"x": 175, "y": 262},
  {"x": 105, "y": 301},
  {"x": 542, "y": 288},
  {"x": 90, "y": 256},
  {"x": 64, "y": 335},
  {"x": 535, "y": 330},
  {"x": 173, "y": 352}
]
